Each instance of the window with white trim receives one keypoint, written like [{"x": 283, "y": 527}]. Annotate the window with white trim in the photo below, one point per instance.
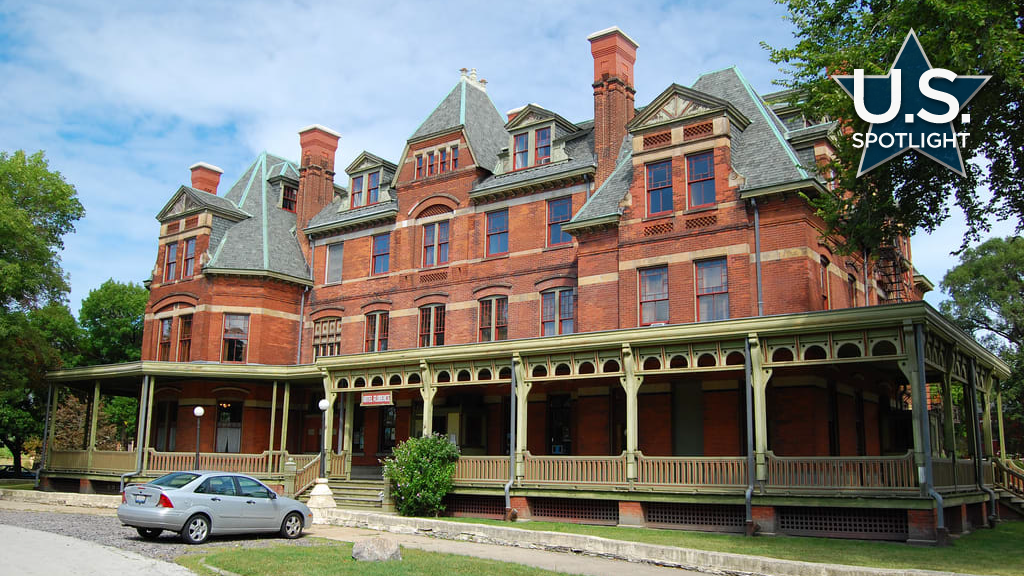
[
  {"x": 558, "y": 309},
  {"x": 712, "y": 290},
  {"x": 327, "y": 337},
  {"x": 376, "y": 337},
  {"x": 654, "y": 295},
  {"x": 432, "y": 325},
  {"x": 335, "y": 253},
  {"x": 494, "y": 318}
]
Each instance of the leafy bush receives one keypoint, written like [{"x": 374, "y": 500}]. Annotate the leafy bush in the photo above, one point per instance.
[{"x": 420, "y": 471}]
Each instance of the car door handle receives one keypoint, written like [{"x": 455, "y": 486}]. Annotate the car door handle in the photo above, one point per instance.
[
  {"x": 250, "y": 501},
  {"x": 215, "y": 499}
]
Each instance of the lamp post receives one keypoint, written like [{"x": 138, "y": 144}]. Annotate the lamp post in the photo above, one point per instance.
[
  {"x": 323, "y": 405},
  {"x": 198, "y": 413}
]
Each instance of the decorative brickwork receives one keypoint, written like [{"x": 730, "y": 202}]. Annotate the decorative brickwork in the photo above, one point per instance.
[
  {"x": 698, "y": 131},
  {"x": 660, "y": 228},
  {"x": 701, "y": 222},
  {"x": 657, "y": 140}
]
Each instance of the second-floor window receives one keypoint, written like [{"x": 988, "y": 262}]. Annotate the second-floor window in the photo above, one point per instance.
[
  {"x": 542, "y": 150},
  {"x": 327, "y": 337},
  {"x": 432, "y": 325},
  {"x": 376, "y": 338},
  {"x": 165, "y": 339},
  {"x": 335, "y": 253},
  {"x": 435, "y": 244},
  {"x": 419, "y": 165},
  {"x": 236, "y": 337},
  {"x": 659, "y": 188},
  {"x": 559, "y": 212},
  {"x": 455, "y": 157},
  {"x": 381, "y": 253},
  {"x": 712, "y": 290},
  {"x": 442, "y": 166},
  {"x": 497, "y": 232},
  {"x": 289, "y": 197},
  {"x": 557, "y": 312},
  {"x": 654, "y": 295},
  {"x": 520, "y": 151},
  {"x": 700, "y": 179},
  {"x": 171, "y": 262},
  {"x": 494, "y": 319},
  {"x": 357, "y": 191},
  {"x": 188, "y": 262},
  {"x": 185, "y": 338},
  {"x": 431, "y": 164}
]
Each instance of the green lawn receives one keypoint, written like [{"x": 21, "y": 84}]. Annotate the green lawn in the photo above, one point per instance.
[
  {"x": 17, "y": 484},
  {"x": 996, "y": 551},
  {"x": 327, "y": 558}
]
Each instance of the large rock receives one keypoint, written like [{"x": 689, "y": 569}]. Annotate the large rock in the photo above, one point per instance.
[{"x": 376, "y": 550}]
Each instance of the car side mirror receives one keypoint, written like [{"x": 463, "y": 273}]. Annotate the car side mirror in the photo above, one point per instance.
[{"x": 273, "y": 495}]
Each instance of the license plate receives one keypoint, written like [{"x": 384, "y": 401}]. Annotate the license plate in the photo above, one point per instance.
[{"x": 140, "y": 498}]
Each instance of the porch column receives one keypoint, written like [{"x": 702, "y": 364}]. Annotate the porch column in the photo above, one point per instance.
[
  {"x": 427, "y": 392},
  {"x": 631, "y": 385},
  {"x": 760, "y": 377},
  {"x": 948, "y": 433},
  {"x": 522, "y": 394},
  {"x": 149, "y": 421},
  {"x": 51, "y": 432},
  {"x": 329, "y": 425},
  {"x": 347, "y": 431},
  {"x": 273, "y": 417},
  {"x": 93, "y": 420},
  {"x": 999, "y": 416},
  {"x": 986, "y": 415},
  {"x": 919, "y": 403},
  {"x": 284, "y": 415}
]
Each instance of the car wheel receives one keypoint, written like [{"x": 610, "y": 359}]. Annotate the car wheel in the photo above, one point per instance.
[
  {"x": 291, "y": 528},
  {"x": 196, "y": 530},
  {"x": 149, "y": 533}
]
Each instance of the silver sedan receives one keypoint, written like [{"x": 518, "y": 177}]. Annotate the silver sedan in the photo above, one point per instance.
[{"x": 199, "y": 504}]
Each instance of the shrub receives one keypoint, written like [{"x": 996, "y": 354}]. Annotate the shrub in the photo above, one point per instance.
[{"x": 420, "y": 471}]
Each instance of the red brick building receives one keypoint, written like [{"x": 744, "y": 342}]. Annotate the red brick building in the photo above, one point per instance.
[{"x": 687, "y": 347}]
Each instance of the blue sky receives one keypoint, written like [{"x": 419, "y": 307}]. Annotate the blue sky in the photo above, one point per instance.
[{"x": 124, "y": 96}]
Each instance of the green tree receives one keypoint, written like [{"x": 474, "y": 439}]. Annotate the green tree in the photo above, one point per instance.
[
  {"x": 986, "y": 298},
  {"x": 37, "y": 209},
  {"x": 912, "y": 192},
  {"x": 112, "y": 318}
]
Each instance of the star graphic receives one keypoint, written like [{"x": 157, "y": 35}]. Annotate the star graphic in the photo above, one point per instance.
[{"x": 907, "y": 129}]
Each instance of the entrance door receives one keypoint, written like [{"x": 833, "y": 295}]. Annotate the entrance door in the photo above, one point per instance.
[
  {"x": 229, "y": 426},
  {"x": 559, "y": 425}
]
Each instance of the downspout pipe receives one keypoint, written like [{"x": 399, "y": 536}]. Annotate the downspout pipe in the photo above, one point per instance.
[
  {"x": 302, "y": 320},
  {"x": 46, "y": 431},
  {"x": 757, "y": 258},
  {"x": 141, "y": 426},
  {"x": 926, "y": 436},
  {"x": 979, "y": 475},
  {"x": 751, "y": 466},
  {"x": 511, "y": 445}
]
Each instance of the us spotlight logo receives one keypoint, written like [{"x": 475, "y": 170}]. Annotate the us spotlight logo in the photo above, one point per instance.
[{"x": 911, "y": 107}]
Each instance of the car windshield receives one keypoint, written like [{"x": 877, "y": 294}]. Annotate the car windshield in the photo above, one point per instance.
[{"x": 175, "y": 479}]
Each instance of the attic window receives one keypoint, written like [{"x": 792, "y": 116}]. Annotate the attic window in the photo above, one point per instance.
[
  {"x": 368, "y": 194},
  {"x": 289, "y": 196},
  {"x": 531, "y": 148},
  {"x": 542, "y": 152}
]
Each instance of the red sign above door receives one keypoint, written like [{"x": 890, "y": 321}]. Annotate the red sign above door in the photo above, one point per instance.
[{"x": 376, "y": 399}]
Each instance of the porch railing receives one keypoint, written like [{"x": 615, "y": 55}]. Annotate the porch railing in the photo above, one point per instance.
[
  {"x": 307, "y": 475},
  {"x": 72, "y": 460},
  {"x": 576, "y": 470},
  {"x": 266, "y": 462},
  {"x": 1008, "y": 477},
  {"x": 705, "y": 472},
  {"x": 477, "y": 469},
  {"x": 860, "y": 473}
]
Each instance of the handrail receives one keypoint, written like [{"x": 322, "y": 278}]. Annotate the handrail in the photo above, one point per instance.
[
  {"x": 307, "y": 475},
  {"x": 874, "y": 473},
  {"x": 1009, "y": 479}
]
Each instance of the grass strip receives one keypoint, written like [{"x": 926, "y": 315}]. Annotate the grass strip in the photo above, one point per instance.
[
  {"x": 996, "y": 551},
  {"x": 335, "y": 559}
]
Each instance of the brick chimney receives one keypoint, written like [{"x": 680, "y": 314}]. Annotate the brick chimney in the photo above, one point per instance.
[
  {"x": 205, "y": 177},
  {"x": 316, "y": 172},
  {"x": 614, "y": 56}
]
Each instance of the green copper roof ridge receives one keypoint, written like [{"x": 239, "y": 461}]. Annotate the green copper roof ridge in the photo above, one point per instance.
[
  {"x": 248, "y": 185},
  {"x": 771, "y": 124},
  {"x": 263, "y": 194},
  {"x": 462, "y": 102}
]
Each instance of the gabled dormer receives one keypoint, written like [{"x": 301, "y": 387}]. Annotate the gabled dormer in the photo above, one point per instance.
[
  {"x": 682, "y": 115},
  {"x": 370, "y": 179},
  {"x": 283, "y": 178},
  {"x": 537, "y": 137}
]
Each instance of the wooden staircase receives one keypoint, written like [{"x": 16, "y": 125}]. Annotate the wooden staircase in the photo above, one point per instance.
[
  {"x": 358, "y": 494},
  {"x": 1009, "y": 480}
]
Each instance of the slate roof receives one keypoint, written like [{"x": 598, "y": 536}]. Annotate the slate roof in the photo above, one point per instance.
[
  {"x": 579, "y": 148},
  {"x": 760, "y": 152},
  {"x": 330, "y": 218},
  {"x": 204, "y": 199},
  {"x": 605, "y": 201},
  {"x": 266, "y": 241},
  {"x": 468, "y": 105}
]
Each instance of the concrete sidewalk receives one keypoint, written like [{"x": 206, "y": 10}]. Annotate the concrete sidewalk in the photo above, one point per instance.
[{"x": 550, "y": 550}]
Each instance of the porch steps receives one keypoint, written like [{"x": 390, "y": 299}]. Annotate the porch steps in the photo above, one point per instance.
[
  {"x": 355, "y": 494},
  {"x": 1011, "y": 500}
]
